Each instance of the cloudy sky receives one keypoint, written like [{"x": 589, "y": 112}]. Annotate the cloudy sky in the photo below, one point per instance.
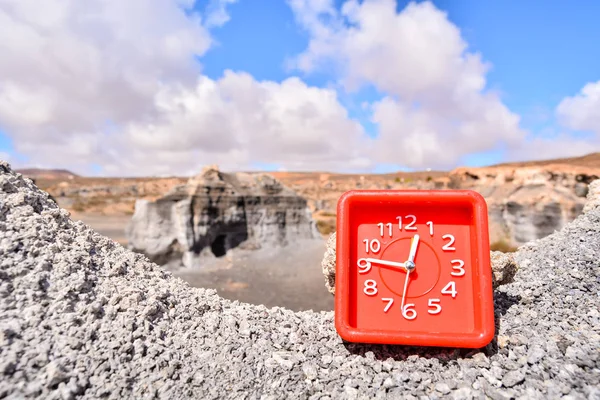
[{"x": 159, "y": 87}]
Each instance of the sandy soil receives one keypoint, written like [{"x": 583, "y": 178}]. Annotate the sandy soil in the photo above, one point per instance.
[{"x": 290, "y": 277}]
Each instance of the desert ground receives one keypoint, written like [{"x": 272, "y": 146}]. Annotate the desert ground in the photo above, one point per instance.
[{"x": 291, "y": 278}]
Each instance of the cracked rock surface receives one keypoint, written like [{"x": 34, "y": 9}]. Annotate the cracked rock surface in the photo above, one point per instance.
[{"x": 82, "y": 317}]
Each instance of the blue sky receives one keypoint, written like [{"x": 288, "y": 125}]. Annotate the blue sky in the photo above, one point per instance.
[{"x": 540, "y": 53}]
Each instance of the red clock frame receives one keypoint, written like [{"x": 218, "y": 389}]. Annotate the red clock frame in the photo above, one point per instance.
[{"x": 368, "y": 202}]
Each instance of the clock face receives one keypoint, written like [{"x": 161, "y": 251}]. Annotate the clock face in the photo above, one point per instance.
[{"x": 413, "y": 268}]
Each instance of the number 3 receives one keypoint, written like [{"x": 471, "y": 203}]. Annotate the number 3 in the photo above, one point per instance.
[{"x": 460, "y": 268}]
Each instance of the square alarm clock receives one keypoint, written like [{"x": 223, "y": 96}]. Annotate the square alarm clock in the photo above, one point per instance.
[{"x": 413, "y": 268}]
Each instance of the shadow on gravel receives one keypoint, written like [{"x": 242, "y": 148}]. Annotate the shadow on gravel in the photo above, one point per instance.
[{"x": 502, "y": 302}]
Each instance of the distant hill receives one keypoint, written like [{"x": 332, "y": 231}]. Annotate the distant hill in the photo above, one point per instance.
[
  {"x": 41, "y": 173},
  {"x": 591, "y": 160}
]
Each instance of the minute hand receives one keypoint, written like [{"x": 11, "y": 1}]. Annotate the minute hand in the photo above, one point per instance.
[{"x": 384, "y": 262}]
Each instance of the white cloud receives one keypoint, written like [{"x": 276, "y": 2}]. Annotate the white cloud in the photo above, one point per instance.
[
  {"x": 217, "y": 14},
  {"x": 581, "y": 112},
  {"x": 424, "y": 137},
  {"x": 237, "y": 120},
  {"x": 552, "y": 147},
  {"x": 436, "y": 107},
  {"x": 71, "y": 66},
  {"x": 115, "y": 83}
]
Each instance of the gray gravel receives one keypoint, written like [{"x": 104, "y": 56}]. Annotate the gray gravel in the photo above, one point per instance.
[{"x": 82, "y": 316}]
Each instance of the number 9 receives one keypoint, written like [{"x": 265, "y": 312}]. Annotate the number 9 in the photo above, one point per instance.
[{"x": 364, "y": 266}]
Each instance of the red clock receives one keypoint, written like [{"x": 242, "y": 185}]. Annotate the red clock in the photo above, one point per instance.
[{"x": 413, "y": 268}]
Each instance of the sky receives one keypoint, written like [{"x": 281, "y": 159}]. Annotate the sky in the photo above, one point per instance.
[{"x": 138, "y": 88}]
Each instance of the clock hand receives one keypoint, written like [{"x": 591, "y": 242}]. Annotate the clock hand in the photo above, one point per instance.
[
  {"x": 404, "y": 291},
  {"x": 409, "y": 265},
  {"x": 414, "y": 243},
  {"x": 384, "y": 262}
]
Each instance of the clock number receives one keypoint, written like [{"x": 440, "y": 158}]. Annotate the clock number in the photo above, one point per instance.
[
  {"x": 410, "y": 226},
  {"x": 435, "y": 303},
  {"x": 448, "y": 246},
  {"x": 370, "y": 287},
  {"x": 450, "y": 289},
  {"x": 389, "y": 304},
  {"x": 372, "y": 245},
  {"x": 381, "y": 231},
  {"x": 409, "y": 311},
  {"x": 460, "y": 270},
  {"x": 364, "y": 266},
  {"x": 430, "y": 224}
]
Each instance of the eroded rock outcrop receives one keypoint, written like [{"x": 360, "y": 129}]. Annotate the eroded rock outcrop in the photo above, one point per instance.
[
  {"x": 527, "y": 203},
  {"x": 216, "y": 212}
]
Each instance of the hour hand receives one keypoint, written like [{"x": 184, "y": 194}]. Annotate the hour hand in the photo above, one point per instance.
[{"x": 382, "y": 262}]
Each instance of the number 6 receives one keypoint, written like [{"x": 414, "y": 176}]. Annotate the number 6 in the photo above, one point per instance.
[{"x": 409, "y": 313}]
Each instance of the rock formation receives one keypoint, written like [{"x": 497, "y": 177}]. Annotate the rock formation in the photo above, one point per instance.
[
  {"x": 216, "y": 212},
  {"x": 527, "y": 203},
  {"x": 82, "y": 317}
]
